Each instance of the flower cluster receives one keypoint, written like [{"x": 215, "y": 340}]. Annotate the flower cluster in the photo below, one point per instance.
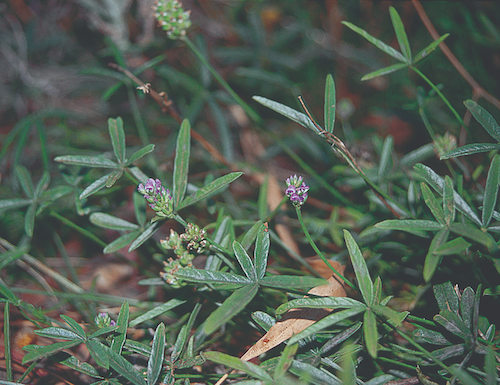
[
  {"x": 195, "y": 239},
  {"x": 296, "y": 190},
  {"x": 159, "y": 197},
  {"x": 103, "y": 320},
  {"x": 172, "y": 18}
]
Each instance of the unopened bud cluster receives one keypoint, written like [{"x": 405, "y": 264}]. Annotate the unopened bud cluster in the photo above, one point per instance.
[
  {"x": 172, "y": 18},
  {"x": 192, "y": 240},
  {"x": 296, "y": 190},
  {"x": 103, "y": 320},
  {"x": 159, "y": 198}
]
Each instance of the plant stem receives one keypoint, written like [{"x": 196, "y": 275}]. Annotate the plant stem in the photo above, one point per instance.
[
  {"x": 440, "y": 95},
  {"x": 250, "y": 112},
  {"x": 320, "y": 254}
]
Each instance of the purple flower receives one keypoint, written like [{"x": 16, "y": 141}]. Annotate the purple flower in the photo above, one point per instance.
[
  {"x": 158, "y": 197},
  {"x": 296, "y": 190}
]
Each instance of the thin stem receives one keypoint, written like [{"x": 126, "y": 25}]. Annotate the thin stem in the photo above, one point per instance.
[
  {"x": 320, "y": 254},
  {"x": 7, "y": 346},
  {"x": 457, "y": 116},
  {"x": 86, "y": 233},
  {"x": 250, "y": 112}
]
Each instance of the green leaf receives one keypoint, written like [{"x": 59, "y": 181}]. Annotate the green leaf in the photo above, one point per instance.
[
  {"x": 74, "y": 325},
  {"x": 474, "y": 234},
  {"x": 181, "y": 163},
  {"x": 320, "y": 303},
  {"x": 446, "y": 297},
  {"x": 453, "y": 323},
  {"x": 155, "y": 361},
  {"x": 310, "y": 374},
  {"x": 115, "y": 127},
  {"x": 431, "y": 47},
  {"x": 113, "y": 176},
  {"x": 140, "y": 153},
  {"x": 209, "y": 190},
  {"x": 49, "y": 350},
  {"x": 430, "y": 337},
  {"x": 437, "y": 183},
  {"x": 409, "y": 225},
  {"x": 236, "y": 363},
  {"x": 384, "y": 71},
  {"x": 9, "y": 204},
  {"x": 376, "y": 42},
  {"x": 455, "y": 246},
  {"x": 42, "y": 184},
  {"x": 448, "y": 202},
  {"x": 88, "y": 161},
  {"x": 291, "y": 282},
  {"x": 94, "y": 187},
  {"x": 484, "y": 118},
  {"x": 98, "y": 353},
  {"x": 111, "y": 222},
  {"x": 75, "y": 364},
  {"x": 285, "y": 361},
  {"x": 29, "y": 219},
  {"x": 290, "y": 113},
  {"x": 490, "y": 366},
  {"x": 235, "y": 303},
  {"x": 433, "y": 204},
  {"x": 123, "y": 367},
  {"x": 145, "y": 235},
  {"x": 470, "y": 149},
  {"x": 491, "y": 191},
  {"x": 432, "y": 260},
  {"x": 467, "y": 302},
  {"x": 122, "y": 323},
  {"x": 244, "y": 261},
  {"x": 384, "y": 167},
  {"x": 25, "y": 180},
  {"x": 399, "y": 28},
  {"x": 157, "y": 311},
  {"x": 121, "y": 242},
  {"x": 206, "y": 276},
  {"x": 59, "y": 333},
  {"x": 394, "y": 317},
  {"x": 329, "y": 104},
  {"x": 370, "y": 332},
  {"x": 360, "y": 269},
  {"x": 261, "y": 252},
  {"x": 103, "y": 331},
  {"x": 250, "y": 235},
  {"x": 180, "y": 342}
]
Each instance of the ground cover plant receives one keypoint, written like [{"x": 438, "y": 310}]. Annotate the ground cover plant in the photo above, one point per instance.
[{"x": 253, "y": 192}]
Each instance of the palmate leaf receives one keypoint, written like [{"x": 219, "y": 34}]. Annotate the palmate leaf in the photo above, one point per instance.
[
  {"x": 235, "y": 303},
  {"x": 437, "y": 183},
  {"x": 49, "y": 350}
]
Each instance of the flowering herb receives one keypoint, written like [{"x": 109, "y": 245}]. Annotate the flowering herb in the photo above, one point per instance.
[
  {"x": 172, "y": 18},
  {"x": 103, "y": 320},
  {"x": 296, "y": 190},
  {"x": 159, "y": 198}
]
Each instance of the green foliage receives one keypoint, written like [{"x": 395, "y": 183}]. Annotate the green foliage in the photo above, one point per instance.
[{"x": 409, "y": 221}]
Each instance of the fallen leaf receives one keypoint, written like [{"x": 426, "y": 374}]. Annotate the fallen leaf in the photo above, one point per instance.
[{"x": 296, "y": 320}]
